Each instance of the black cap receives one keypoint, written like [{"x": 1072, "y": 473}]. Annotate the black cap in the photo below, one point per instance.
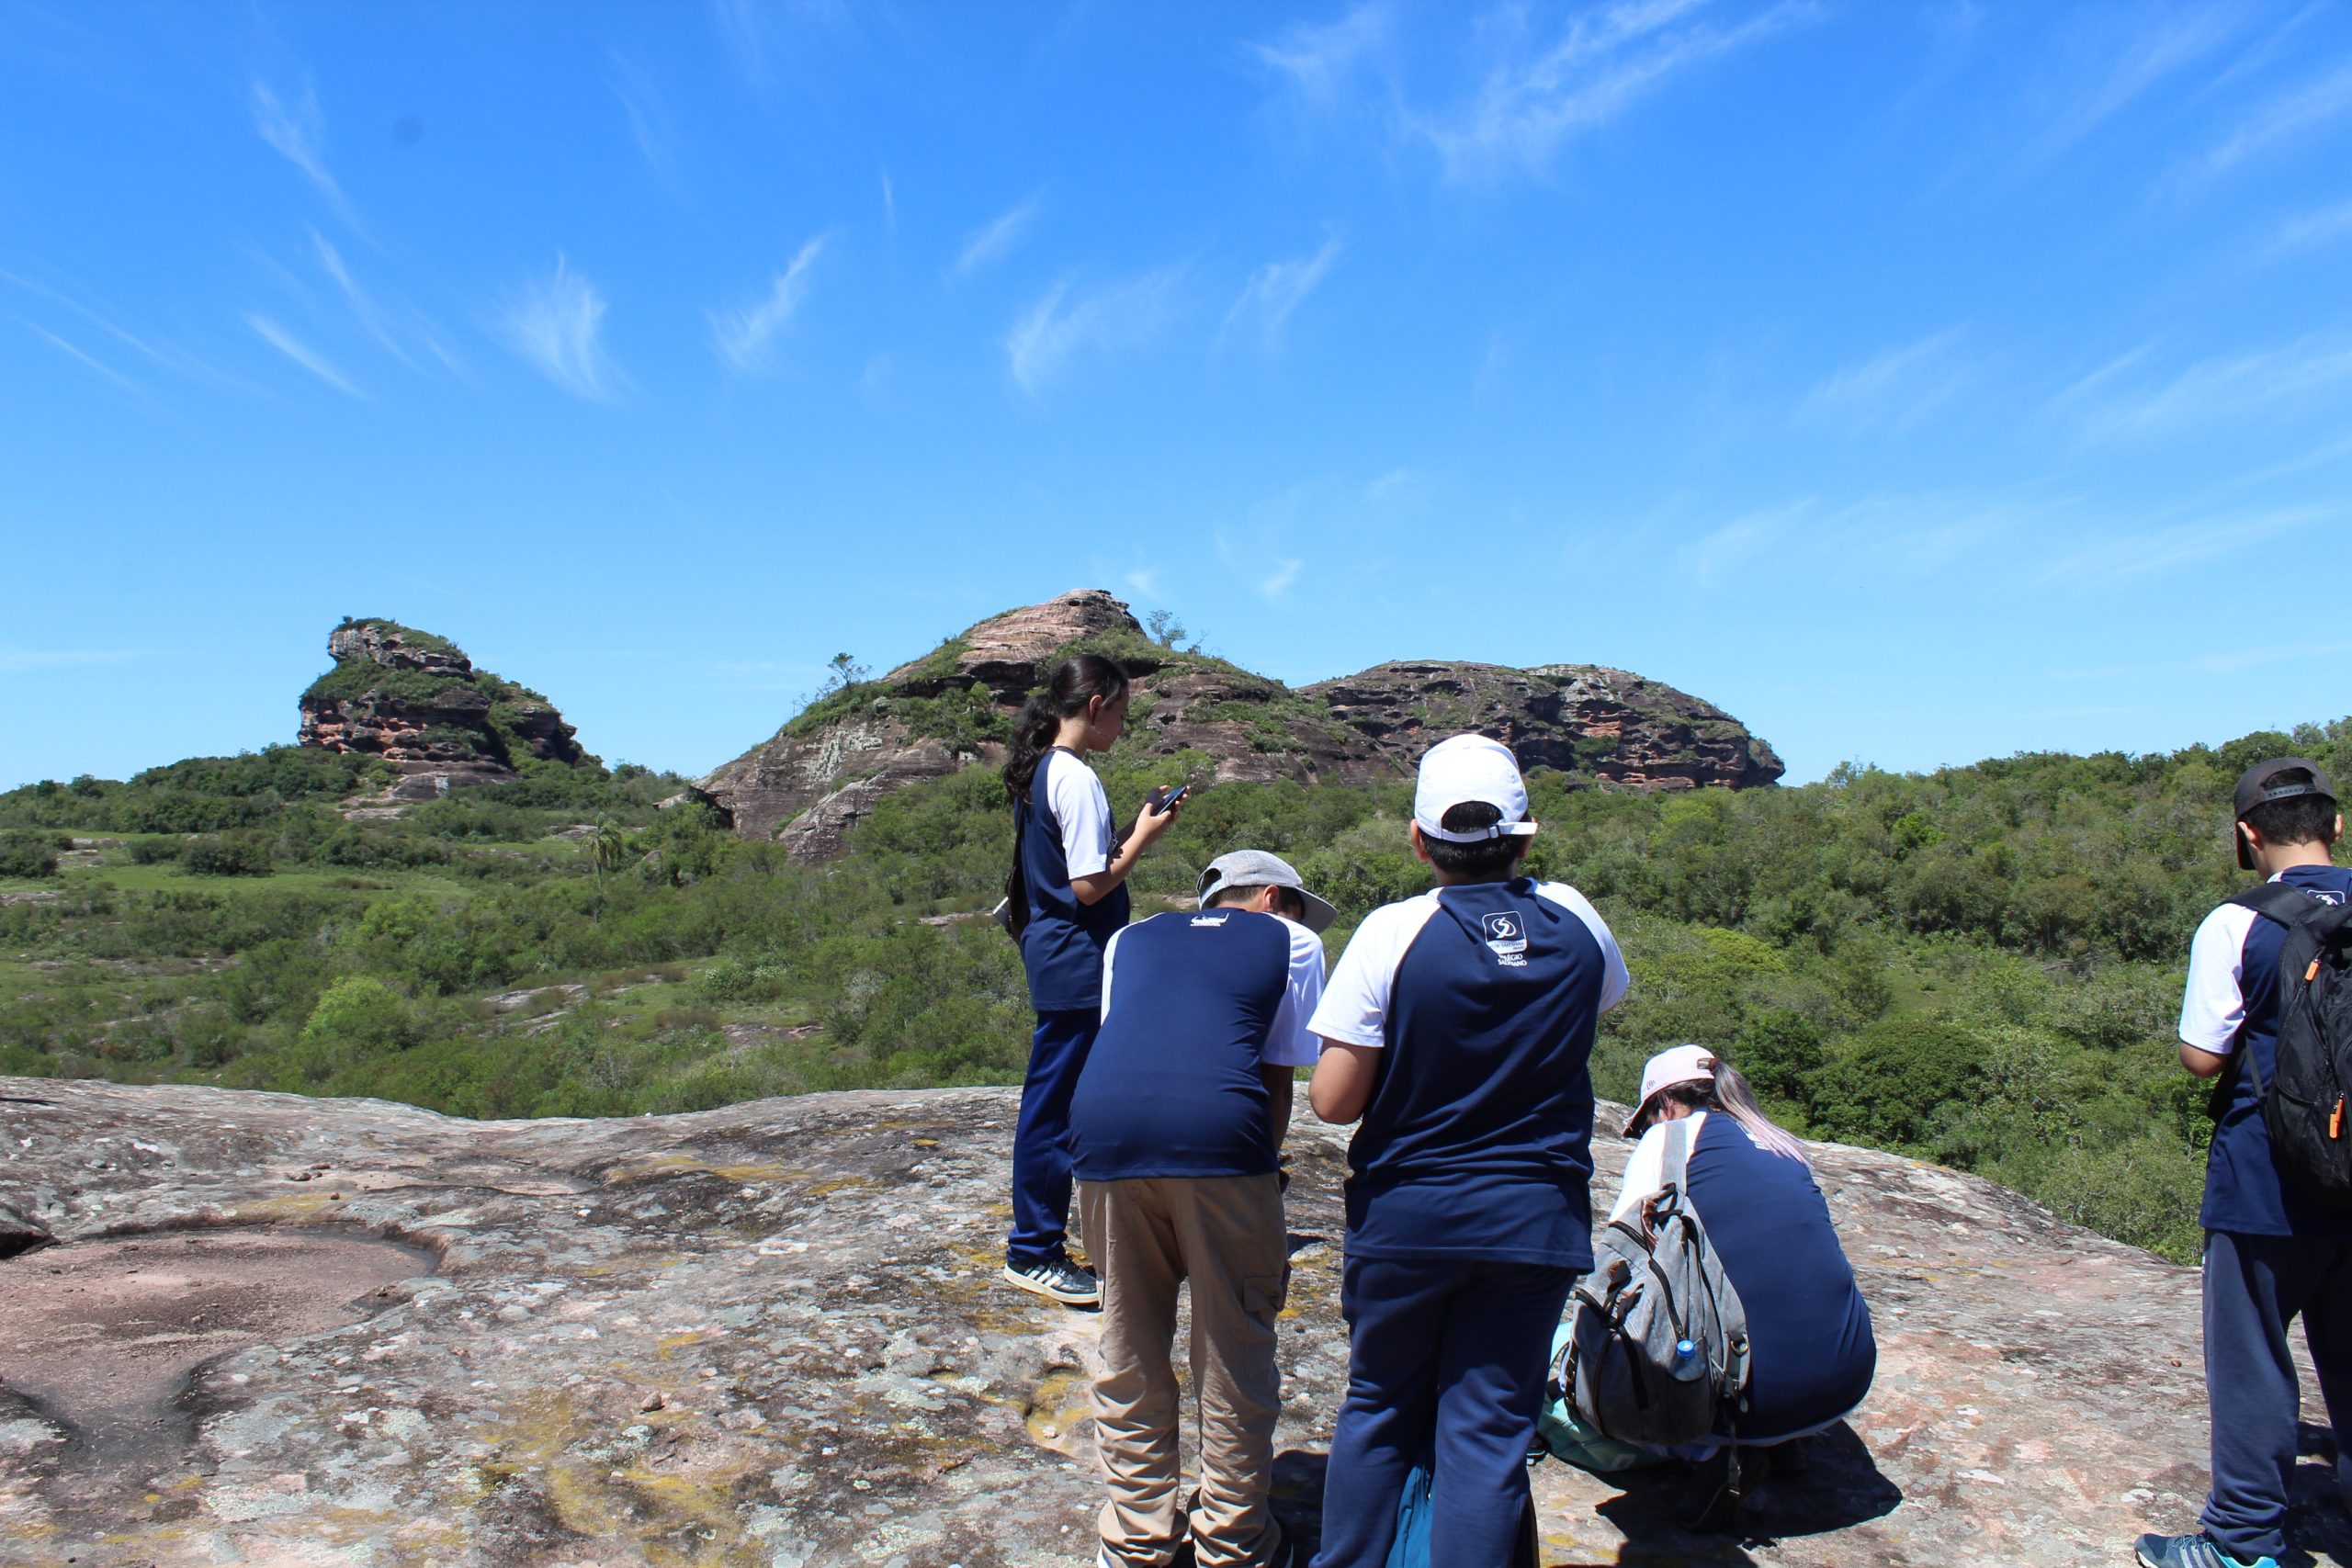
[{"x": 2255, "y": 787}]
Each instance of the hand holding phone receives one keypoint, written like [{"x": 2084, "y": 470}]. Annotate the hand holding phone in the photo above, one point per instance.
[{"x": 1163, "y": 804}]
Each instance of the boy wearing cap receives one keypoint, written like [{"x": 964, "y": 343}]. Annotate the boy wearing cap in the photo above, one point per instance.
[
  {"x": 1178, "y": 1122},
  {"x": 2271, "y": 1254},
  {"x": 1459, "y": 1025}
]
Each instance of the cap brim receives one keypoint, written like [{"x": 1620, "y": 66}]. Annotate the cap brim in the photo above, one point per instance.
[{"x": 1319, "y": 915}]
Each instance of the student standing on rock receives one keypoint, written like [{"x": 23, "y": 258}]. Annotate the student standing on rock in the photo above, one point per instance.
[
  {"x": 1073, "y": 878},
  {"x": 1459, "y": 1025},
  {"x": 2272, "y": 1253},
  {"x": 1179, "y": 1120}
]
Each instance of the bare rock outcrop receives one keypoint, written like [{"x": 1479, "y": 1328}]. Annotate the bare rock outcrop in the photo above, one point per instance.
[
  {"x": 824, "y": 771},
  {"x": 1579, "y": 718},
  {"x": 773, "y": 1333},
  {"x": 416, "y": 701}
]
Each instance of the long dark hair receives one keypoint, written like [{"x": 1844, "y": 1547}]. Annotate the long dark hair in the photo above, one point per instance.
[{"x": 1075, "y": 682}]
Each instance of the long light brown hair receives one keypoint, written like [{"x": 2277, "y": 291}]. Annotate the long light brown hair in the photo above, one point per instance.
[{"x": 1729, "y": 1093}]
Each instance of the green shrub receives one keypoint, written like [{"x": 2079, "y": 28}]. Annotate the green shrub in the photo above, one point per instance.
[
  {"x": 30, "y": 854},
  {"x": 1891, "y": 1084},
  {"x": 358, "y": 1018},
  {"x": 735, "y": 980},
  {"x": 228, "y": 854}
]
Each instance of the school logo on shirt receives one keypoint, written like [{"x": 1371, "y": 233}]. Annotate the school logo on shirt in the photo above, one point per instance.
[
  {"x": 1506, "y": 938},
  {"x": 2325, "y": 894},
  {"x": 1210, "y": 920}
]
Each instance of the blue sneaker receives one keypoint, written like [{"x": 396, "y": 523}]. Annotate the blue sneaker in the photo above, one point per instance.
[{"x": 2192, "y": 1551}]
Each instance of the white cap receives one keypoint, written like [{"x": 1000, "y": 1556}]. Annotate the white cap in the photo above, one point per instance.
[
  {"x": 1464, "y": 768},
  {"x": 1682, "y": 1063}
]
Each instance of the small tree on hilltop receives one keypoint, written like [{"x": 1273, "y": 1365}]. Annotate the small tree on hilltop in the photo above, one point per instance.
[
  {"x": 1165, "y": 629},
  {"x": 844, "y": 671}
]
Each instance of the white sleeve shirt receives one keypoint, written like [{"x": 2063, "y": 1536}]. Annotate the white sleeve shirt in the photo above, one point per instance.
[
  {"x": 1075, "y": 796},
  {"x": 1292, "y": 1043},
  {"x": 1355, "y": 1005},
  {"x": 2214, "y": 1004}
]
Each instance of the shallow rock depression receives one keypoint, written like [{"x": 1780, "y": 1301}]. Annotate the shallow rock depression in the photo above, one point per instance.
[{"x": 282, "y": 1331}]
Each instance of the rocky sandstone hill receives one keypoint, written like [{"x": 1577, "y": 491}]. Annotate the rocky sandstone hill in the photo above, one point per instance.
[
  {"x": 416, "y": 701},
  {"x": 821, "y": 773},
  {"x": 278, "y": 1330}
]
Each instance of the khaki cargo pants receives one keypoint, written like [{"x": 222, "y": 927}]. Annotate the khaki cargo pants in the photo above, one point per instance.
[{"x": 1145, "y": 1237}]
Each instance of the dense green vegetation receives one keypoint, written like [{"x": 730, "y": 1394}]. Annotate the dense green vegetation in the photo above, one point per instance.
[{"x": 1979, "y": 965}]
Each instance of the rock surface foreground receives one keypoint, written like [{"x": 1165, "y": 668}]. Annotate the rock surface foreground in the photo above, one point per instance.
[
  {"x": 772, "y": 1335},
  {"x": 820, "y": 774}
]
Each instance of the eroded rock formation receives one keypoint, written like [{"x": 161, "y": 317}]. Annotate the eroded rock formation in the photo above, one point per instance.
[
  {"x": 1579, "y": 718},
  {"x": 416, "y": 701},
  {"x": 813, "y": 781},
  {"x": 772, "y": 1335}
]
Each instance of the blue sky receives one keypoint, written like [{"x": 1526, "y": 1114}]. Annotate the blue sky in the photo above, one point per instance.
[{"x": 1921, "y": 383}]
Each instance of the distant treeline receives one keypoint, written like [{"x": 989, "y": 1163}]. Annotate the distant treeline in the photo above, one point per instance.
[{"x": 1979, "y": 965}]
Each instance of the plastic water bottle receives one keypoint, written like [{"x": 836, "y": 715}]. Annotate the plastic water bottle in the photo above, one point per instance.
[{"x": 1687, "y": 1364}]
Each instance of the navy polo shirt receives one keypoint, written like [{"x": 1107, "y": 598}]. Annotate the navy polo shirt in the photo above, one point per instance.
[
  {"x": 1061, "y": 947},
  {"x": 1477, "y": 1139},
  {"x": 2231, "y": 1004},
  {"x": 1173, "y": 1086},
  {"x": 1809, "y": 1330}
]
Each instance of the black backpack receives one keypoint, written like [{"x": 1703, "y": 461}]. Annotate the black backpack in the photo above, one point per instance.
[{"x": 2307, "y": 1104}]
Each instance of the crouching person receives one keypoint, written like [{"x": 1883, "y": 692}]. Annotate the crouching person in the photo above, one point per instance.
[
  {"x": 1810, "y": 1353},
  {"x": 1178, "y": 1122}
]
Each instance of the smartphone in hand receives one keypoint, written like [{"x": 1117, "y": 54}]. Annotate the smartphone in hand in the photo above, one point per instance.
[{"x": 1163, "y": 804}]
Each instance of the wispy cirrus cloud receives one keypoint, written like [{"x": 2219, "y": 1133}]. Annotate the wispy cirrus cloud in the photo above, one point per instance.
[
  {"x": 2320, "y": 225},
  {"x": 2116, "y": 59},
  {"x": 1318, "y": 61},
  {"x": 14, "y": 660},
  {"x": 1540, "y": 93},
  {"x": 1879, "y": 540},
  {"x": 557, "y": 324},
  {"x": 1893, "y": 389},
  {"x": 1275, "y": 584},
  {"x": 995, "y": 239},
  {"x": 297, "y": 131},
  {"x": 163, "y": 356},
  {"x": 300, "y": 352},
  {"x": 744, "y": 337},
  {"x": 1275, "y": 290},
  {"x": 2282, "y": 118},
  {"x": 1067, "y": 323},
  {"x": 362, "y": 305},
  {"x": 1146, "y": 583},
  {"x": 646, "y": 110},
  {"x": 88, "y": 361},
  {"x": 766, "y": 40},
  {"x": 2115, "y": 404},
  {"x": 2126, "y": 555}
]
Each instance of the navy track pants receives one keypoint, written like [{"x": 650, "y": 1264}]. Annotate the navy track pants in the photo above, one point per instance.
[
  {"x": 1041, "y": 1152},
  {"x": 2254, "y": 1287},
  {"x": 1445, "y": 1357}
]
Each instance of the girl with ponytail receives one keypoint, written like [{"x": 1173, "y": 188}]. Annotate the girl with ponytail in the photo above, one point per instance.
[
  {"x": 1812, "y": 1355},
  {"x": 1072, "y": 874}
]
